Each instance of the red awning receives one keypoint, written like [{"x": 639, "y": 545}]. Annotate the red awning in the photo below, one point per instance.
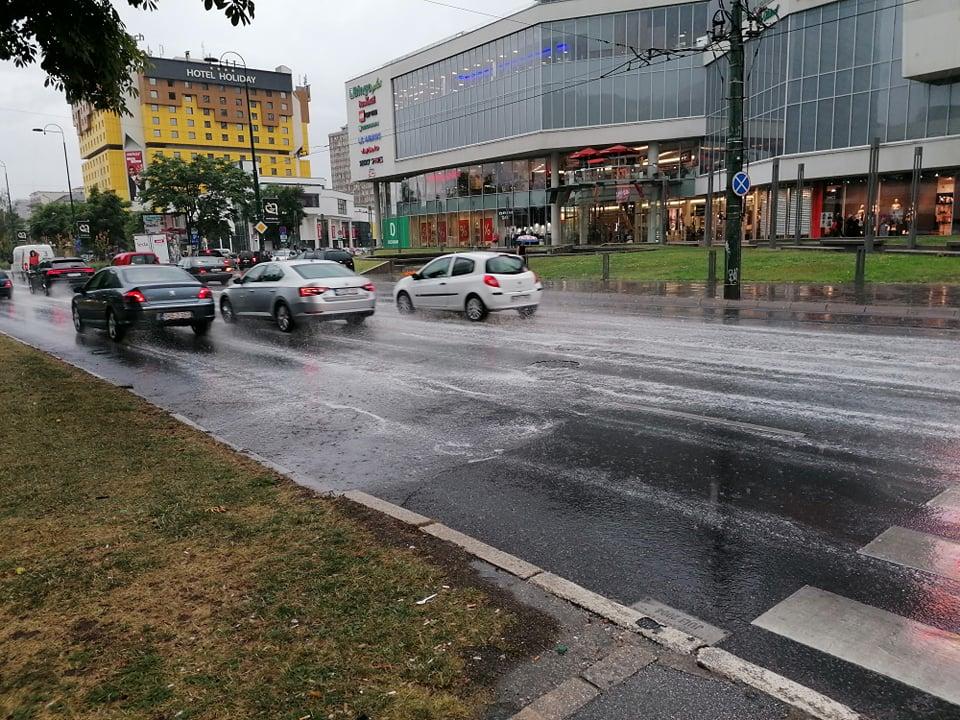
[
  {"x": 619, "y": 150},
  {"x": 585, "y": 153}
]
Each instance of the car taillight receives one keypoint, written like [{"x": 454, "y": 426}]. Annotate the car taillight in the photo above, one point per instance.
[
  {"x": 135, "y": 296},
  {"x": 7, "y": 283},
  {"x": 312, "y": 291},
  {"x": 491, "y": 281},
  {"x": 203, "y": 271},
  {"x": 370, "y": 287},
  {"x": 205, "y": 293}
]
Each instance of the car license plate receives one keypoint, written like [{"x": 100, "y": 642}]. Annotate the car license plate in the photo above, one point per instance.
[
  {"x": 176, "y": 316},
  {"x": 346, "y": 291},
  {"x": 74, "y": 274},
  {"x": 520, "y": 298}
]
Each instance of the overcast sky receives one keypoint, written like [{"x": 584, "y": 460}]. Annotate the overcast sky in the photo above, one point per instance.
[{"x": 329, "y": 41}]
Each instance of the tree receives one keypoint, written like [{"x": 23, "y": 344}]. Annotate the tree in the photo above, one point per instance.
[
  {"x": 109, "y": 218},
  {"x": 10, "y": 222},
  {"x": 52, "y": 223},
  {"x": 83, "y": 45},
  {"x": 212, "y": 193},
  {"x": 290, "y": 199}
]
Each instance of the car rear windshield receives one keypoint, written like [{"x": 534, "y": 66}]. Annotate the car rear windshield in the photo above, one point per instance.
[
  {"x": 505, "y": 265},
  {"x": 321, "y": 270},
  {"x": 150, "y": 274},
  {"x": 337, "y": 255},
  {"x": 143, "y": 260},
  {"x": 207, "y": 262},
  {"x": 68, "y": 263}
]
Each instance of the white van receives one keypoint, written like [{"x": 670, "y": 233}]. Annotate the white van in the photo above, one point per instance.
[{"x": 21, "y": 257}]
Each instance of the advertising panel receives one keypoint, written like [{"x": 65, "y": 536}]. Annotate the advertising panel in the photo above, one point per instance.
[{"x": 134, "y": 159}]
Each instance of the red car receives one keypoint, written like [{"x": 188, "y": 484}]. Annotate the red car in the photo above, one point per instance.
[{"x": 136, "y": 258}]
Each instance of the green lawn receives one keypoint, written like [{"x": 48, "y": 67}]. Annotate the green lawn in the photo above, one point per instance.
[
  {"x": 686, "y": 264},
  {"x": 147, "y": 572}
]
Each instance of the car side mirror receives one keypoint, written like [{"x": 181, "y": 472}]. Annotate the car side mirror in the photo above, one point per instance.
[
  {"x": 417, "y": 276},
  {"x": 82, "y": 290},
  {"x": 239, "y": 280}
]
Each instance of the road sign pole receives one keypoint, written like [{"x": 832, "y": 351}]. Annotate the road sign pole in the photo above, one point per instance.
[{"x": 734, "y": 156}]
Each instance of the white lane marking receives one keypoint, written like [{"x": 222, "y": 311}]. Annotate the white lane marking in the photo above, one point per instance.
[
  {"x": 917, "y": 550},
  {"x": 915, "y": 654},
  {"x": 464, "y": 391},
  {"x": 709, "y": 419},
  {"x": 359, "y": 411},
  {"x": 691, "y": 625},
  {"x": 949, "y": 499}
]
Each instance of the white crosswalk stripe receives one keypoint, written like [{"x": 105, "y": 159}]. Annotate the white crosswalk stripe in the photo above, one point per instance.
[
  {"x": 949, "y": 499},
  {"x": 917, "y": 550},
  {"x": 918, "y": 655}
]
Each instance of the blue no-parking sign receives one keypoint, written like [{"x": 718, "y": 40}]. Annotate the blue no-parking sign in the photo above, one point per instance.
[{"x": 740, "y": 183}]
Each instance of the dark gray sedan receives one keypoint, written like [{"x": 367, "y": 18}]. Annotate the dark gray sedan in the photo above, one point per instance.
[
  {"x": 297, "y": 290},
  {"x": 117, "y": 298}
]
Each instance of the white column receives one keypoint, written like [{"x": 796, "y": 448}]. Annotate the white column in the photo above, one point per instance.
[
  {"x": 377, "y": 225},
  {"x": 654, "y": 220},
  {"x": 350, "y": 233},
  {"x": 556, "y": 231}
]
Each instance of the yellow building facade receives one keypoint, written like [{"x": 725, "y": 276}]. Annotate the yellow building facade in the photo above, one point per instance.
[{"x": 185, "y": 109}]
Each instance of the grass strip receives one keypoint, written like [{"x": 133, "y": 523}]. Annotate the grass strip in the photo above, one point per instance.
[{"x": 148, "y": 572}]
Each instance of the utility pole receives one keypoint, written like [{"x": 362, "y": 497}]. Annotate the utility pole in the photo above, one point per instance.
[
  {"x": 7, "y": 179},
  {"x": 734, "y": 155}
]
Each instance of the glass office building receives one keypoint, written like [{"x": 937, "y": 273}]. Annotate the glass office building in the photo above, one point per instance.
[{"x": 548, "y": 124}]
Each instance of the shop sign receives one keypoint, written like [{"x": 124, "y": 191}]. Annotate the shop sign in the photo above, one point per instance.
[
  {"x": 367, "y": 114},
  {"x": 369, "y": 102},
  {"x": 368, "y": 89},
  {"x": 371, "y": 161},
  {"x": 488, "y": 236},
  {"x": 370, "y": 150},
  {"x": 134, "y": 161},
  {"x": 463, "y": 226},
  {"x": 365, "y": 139},
  {"x": 396, "y": 232},
  {"x": 153, "y": 224},
  {"x": 369, "y": 126},
  {"x": 623, "y": 194}
]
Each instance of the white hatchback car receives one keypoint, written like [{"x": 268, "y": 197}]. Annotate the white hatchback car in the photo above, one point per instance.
[{"x": 474, "y": 283}]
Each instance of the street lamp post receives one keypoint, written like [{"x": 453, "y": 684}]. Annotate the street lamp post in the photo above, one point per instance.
[
  {"x": 63, "y": 137},
  {"x": 253, "y": 145},
  {"x": 7, "y": 180}
]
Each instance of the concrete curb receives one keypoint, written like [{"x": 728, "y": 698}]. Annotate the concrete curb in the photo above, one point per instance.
[
  {"x": 576, "y": 692},
  {"x": 799, "y": 696}
]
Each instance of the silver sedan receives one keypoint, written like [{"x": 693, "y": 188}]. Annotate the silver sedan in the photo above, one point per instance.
[{"x": 291, "y": 292}]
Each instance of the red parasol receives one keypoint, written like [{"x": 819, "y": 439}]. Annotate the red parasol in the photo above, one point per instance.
[
  {"x": 585, "y": 153},
  {"x": 618, "y": 150}
]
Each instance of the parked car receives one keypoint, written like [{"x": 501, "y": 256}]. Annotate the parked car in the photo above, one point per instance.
[
  {"x": 135, "y": 258},
  {"x": 117, "y": 298},
  {"x": 6, "y": 285},
  {"x": 208, "y": 269},
  {"x": 299, "y": 290},
  {"x": 69, "y": 270},
  {"x": 248, "y": 258},
  {"x": 344, "y": 257},
  {"x": 216, "y": 252},
  {"x": 475, "y": 283}
]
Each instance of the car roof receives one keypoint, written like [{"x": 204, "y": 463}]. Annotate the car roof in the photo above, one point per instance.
[
  {"x": 480, "y": 255},
  {"x": 64, "y": 259},
  {"x": 309, "y": 261}
]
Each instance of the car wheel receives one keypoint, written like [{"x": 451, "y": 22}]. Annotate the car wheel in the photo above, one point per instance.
[
  {"x": 78, "y": 321},
  {"x": 201, "y": 328},
  {"x": 33, "y": 289},
  {"x": 46, "y": 290},
  {"x": 404, "y": 304},
  {"x": 115, "y": 331},
  {"x": 528, "y": 312},
  {"x": 475, "y": 310},
  {"x": 284, "y": 318},
  {"x": 226, "y": 311}
]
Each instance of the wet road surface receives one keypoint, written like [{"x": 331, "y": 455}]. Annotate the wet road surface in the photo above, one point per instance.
[{"x": 789, "y": 487}]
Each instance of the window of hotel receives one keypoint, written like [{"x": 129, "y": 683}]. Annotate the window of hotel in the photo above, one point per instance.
[
  {"x": 189, "y": 110},
  {"x": 206, "y": 98},
  {"x": 156, "y": 133},
  {"x": 155, "y": 108},
  {"x": 243, "y": 158},
  {"x": 239, "y": 126},
  {"x": 171, "y": 108},
  {"x": 286, "y": 161},
  {"x": 173, "y": 121},
  {"x": 254, "y": 103},
  {"x": 206, "y": 123},
  {"x": 206, "y": 111},
  {"x": 255, "y": 116},
  {"x": 188, "y": 84},
  {"x": 239, "y": 102},
  {"x": 192, "y": 135},
  {"x": 240, "y": 114},
  {"x": 224, "y": 113},
  {"x": 222, "y": 88},
  {"x": 289, "y": 173},
  {"x": 226, "y": 156},
  {"x": 272, "y": 141},
  {"x": 152, "y": 81},
  {"x": 224, "y": 137},
  {"x": 256, "y": 139},
  {"x": 208, "y": 136},
  {"x": 269, "y": 106},
  {"x": 271, "y": 116},
  {"x": 188, "y": 98},
  {"x": 223, "y": 100},
  {"x": 256, "y": 128},
  {"x": 240, "y": 138},
  {"x": 283, "y": 94},
  {"x": 283, "y": 106},
  {"x": 153, "y": 95},
  {"x": 269, "y": 93},
  {"x": 206, "y": 86},
  {"x": 155, "y": 120},
  {"x": 273, "y": 171},
  {"x": 273, "y": 159},
  {"x": 174, "y": 134},
  {"x": 285, "y": 130},
  {"x": 169, "y": 83},
  {"x": 286, "y": 141},
  {"x": 194, "y": 156},
  {"x": 171, "y": 96},
  {"x": 210, "y": 155},
  {"x": 224, "y": 126},
  {"x": 176, "y": 154}
]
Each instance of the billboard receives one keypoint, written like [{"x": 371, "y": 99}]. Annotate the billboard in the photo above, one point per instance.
[
  {"x": 134, "y": 159},
  {"x": 204, "y": 72},
  {"x": 396, "y": 232}
]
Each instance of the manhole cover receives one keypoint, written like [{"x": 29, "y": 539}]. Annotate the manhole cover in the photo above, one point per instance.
[{"x": 556, "y": 364}]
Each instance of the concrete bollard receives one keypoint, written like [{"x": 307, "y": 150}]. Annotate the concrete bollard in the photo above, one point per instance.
[
  {"x": 712, "y": 266},
  {"x": 605, "y": 274},
  {"x": 860, "y": 274}
]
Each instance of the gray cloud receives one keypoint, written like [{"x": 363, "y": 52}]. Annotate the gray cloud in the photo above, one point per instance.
[{"x": 328, "y": 42}]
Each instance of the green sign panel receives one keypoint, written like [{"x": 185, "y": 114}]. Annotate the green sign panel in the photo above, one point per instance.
[{"x": 396, "y": 232}]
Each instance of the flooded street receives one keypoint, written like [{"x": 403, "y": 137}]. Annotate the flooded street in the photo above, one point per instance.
[{"x": 786, "y": 490}]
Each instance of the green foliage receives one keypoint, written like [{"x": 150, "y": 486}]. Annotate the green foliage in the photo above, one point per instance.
[
  {"x": 290, "y": 199},
  {"x": 107, "y": 214},
  {"x": 53, "y": 224},
  {"x": 10, "y": 222},
  {"x": 210, "y": 192},
  {"x": 83, "y": 45}
]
